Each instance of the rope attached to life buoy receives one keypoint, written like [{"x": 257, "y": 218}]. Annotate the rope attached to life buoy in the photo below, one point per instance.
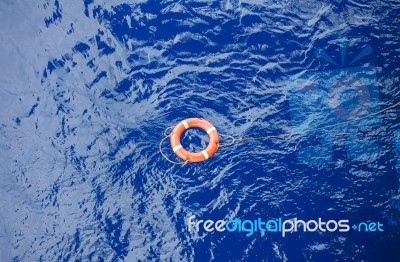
[{"x": 214, "y": 143}]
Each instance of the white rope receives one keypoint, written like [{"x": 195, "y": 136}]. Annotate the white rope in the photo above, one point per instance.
[
  {"x": 165, "y": 156},
  {"x": 234, "y": 139}
]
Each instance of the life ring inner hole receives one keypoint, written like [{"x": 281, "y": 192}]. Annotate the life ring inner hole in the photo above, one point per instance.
[{"x": 194, "y": 139}]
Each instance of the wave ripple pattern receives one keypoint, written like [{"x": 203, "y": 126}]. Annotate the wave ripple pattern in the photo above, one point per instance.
[{"x": 87, "y": 88}]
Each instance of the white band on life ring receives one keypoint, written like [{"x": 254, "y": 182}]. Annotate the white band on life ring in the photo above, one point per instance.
[
  {"x": 185, "y": 124},
  {"x": 204, "y": 154},
  {"x": 176, "y": 148},
  {"x": 210, "y": 129}
]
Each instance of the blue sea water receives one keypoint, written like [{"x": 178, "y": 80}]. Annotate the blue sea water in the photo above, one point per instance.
[{"x": 87, "y": 89}]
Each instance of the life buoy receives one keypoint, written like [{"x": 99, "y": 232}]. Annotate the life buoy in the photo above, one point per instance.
[{"x": 194, "y": 156}]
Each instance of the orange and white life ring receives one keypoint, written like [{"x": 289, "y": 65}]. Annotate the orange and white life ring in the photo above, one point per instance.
[{"x": 194, "y": 156}]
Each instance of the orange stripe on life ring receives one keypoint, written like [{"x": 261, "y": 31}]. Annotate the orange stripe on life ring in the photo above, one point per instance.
[{"x": 194, "y": 156}]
